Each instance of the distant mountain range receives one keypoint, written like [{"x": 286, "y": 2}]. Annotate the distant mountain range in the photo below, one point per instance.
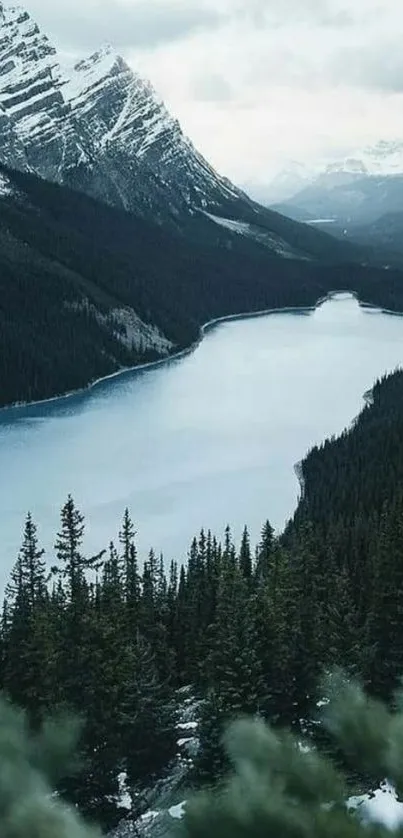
[{"x": 356, "y": 190}]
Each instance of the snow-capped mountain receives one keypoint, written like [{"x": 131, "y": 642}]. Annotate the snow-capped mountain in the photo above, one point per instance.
[
  {"x": 383, "y": 159},
  {"x": 99, "y": 127},
  {"x": 355, "y": 190}
]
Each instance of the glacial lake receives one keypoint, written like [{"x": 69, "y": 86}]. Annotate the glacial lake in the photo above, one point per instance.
[{"x": 208, "y": 439}]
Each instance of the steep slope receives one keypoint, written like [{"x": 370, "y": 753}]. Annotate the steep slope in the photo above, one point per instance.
[
  {"x": 101, "y": 129},
  {"x": 33, "y": 131},
  {"x": 141, "y": 158}
]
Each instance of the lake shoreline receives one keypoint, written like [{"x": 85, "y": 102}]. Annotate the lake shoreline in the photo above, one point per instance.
[{"x": 183, "y": 353}]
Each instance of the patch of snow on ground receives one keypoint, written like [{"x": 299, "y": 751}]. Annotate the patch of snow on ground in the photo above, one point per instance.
[
  {"x": 322, "y": 221},
  {"x": 125, "y": 801},
  {"x": 5, "y": 186},
  {"x": 241, "y": 227},
  {"x": 187, "y": 725},
  {"x": 149, "y": 816},
  {"x": 381, "y": 806},
  {"x": 304, "y": 748},
  {"x": 177, "y": 812}
]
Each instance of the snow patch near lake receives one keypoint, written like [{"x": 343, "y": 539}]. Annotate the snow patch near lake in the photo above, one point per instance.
[
  {"x": 380, "y": 806},
  {"x": 177, "y": 812}
]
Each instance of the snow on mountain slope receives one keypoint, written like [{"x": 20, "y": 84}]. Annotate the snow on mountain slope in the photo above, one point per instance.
[
  {"x": 99, "y": 127},
  {"x": 272, "y": 241},
  {"x": 31, "y": 100},
  {"x": 383, "y": 159}
]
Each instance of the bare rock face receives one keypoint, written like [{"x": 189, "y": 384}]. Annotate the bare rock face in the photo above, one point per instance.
[{"x": 99, "y": 128}]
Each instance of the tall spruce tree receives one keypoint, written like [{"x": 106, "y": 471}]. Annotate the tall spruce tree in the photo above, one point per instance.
[
  {"x": 245, "y": 556},
  {"x": 28, "y": 643}
]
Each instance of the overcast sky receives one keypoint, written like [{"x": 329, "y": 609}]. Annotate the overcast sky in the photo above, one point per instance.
[{"x": 254, "y": 82}]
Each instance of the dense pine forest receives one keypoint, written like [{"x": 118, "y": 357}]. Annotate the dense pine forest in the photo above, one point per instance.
[
  {"x": 113, "y": 638},
  {"x": 67, "y": 262}
]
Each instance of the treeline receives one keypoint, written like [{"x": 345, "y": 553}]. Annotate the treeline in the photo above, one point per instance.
[{"x": 249, "y": 630}]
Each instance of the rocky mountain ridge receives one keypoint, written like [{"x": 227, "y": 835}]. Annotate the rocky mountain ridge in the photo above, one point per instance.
[{"x": 98, "y": 127}]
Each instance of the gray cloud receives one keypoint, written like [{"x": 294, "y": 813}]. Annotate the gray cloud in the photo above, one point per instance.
[
  {"x": 84, "y": 25},
  {"x": 374, "y": 66},
  {"x": 211, "y": 87},
  {"x": 329, "y": 13}
]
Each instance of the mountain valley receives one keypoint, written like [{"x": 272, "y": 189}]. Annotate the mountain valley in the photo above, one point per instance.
[{"x": 118, "y": 239}]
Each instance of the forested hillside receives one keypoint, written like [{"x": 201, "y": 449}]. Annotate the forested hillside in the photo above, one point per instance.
[
  {"x": 114, "y": 638},
  {"x": 71, "y": 268}
]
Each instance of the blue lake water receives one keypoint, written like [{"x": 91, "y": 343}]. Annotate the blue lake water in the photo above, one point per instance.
[{"x": 205, "y": 440}]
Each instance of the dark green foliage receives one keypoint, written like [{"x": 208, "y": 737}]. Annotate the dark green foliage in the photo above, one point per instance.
[
  {"x": 356, "y": 517},
  {"x": 30, "y": 765},
  {"x": 99, "y": 649},
  {"x": 278, "y": 789}
]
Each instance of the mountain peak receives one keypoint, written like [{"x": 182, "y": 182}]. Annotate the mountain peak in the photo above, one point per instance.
[
  {"x": 90, "y": 72},
  {"x": 98, "y": 127},
  {"x": 105, "y": 59}
]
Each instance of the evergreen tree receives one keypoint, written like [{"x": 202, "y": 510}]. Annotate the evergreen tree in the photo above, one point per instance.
[
  {"x": 149, "y": 719},
  {"x": 72, "y": 563},
  {"x": 264, "y": 552},
  {"x": 232, "y": 670},
  {"x": 28, "y": 644},
  {"x": 130, "y": 573},
  {"x": 245, "y": 557}
]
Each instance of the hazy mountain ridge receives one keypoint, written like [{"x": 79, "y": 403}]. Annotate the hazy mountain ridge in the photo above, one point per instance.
[{"x": 355, "y": 190}]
